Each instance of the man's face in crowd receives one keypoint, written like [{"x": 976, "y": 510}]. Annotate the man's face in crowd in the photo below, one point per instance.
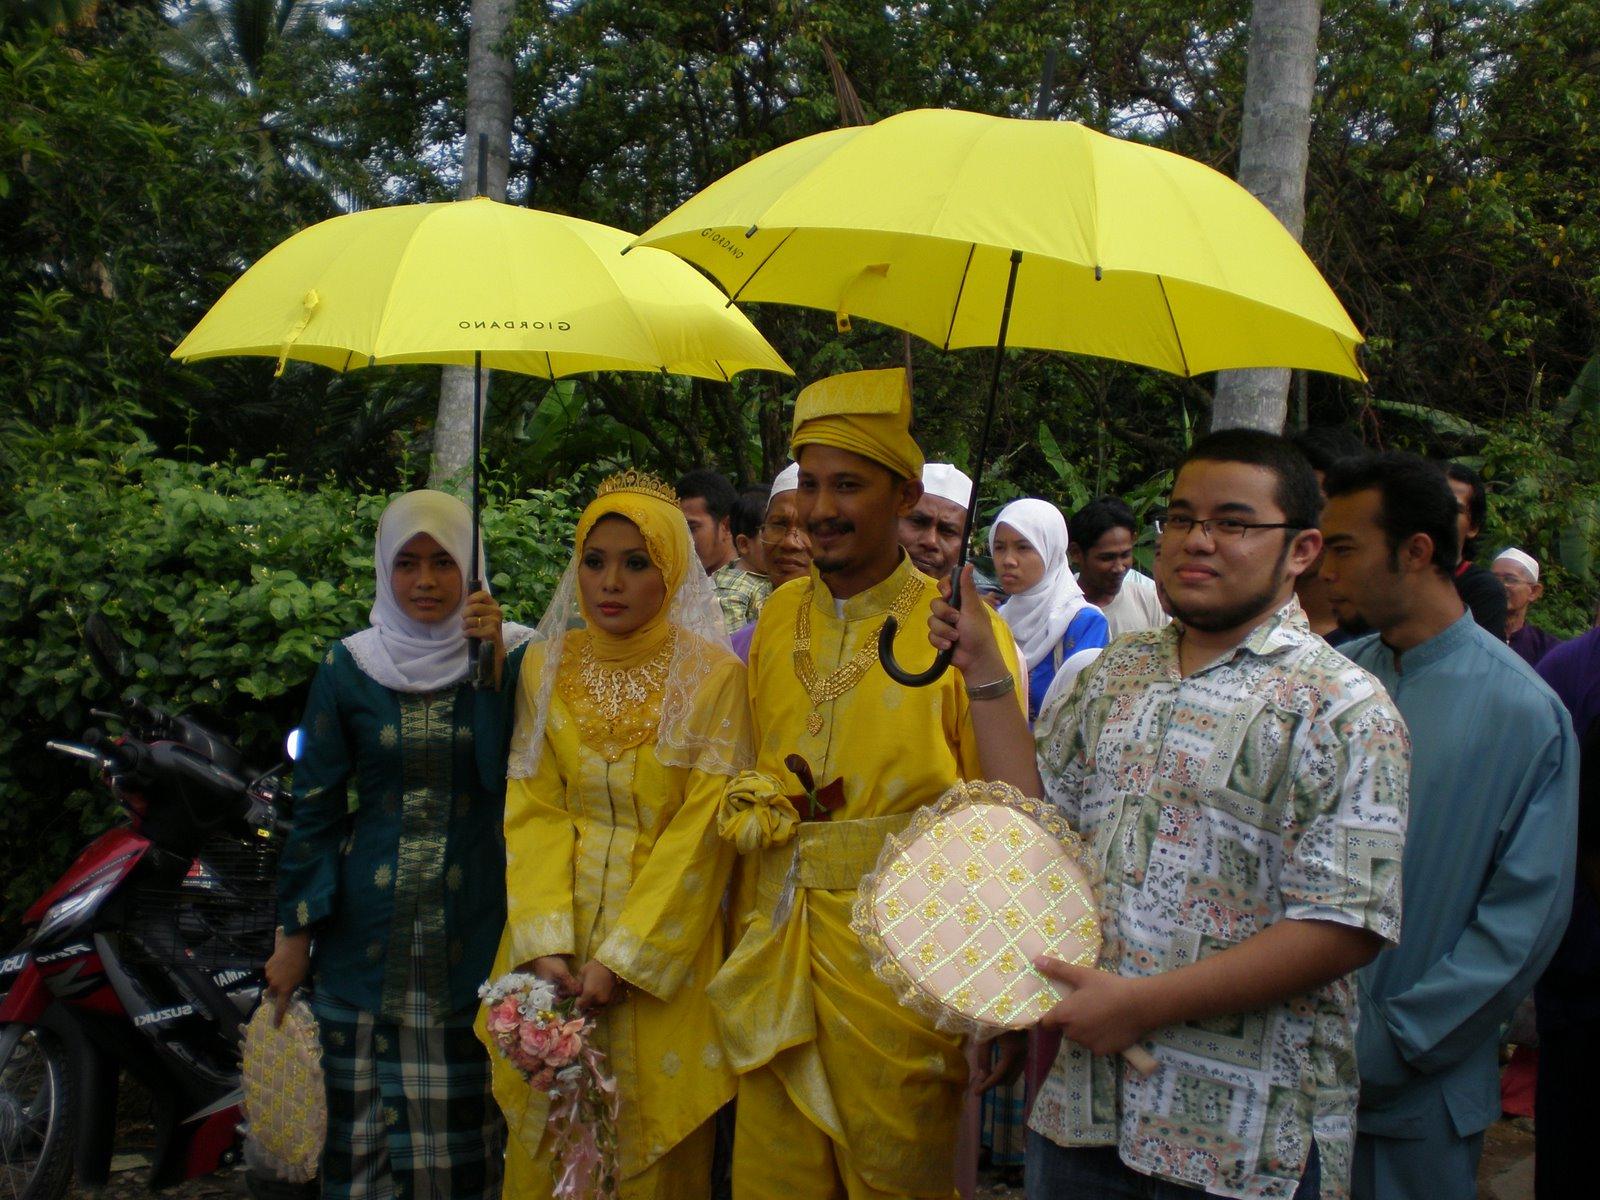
[
  {"x": 850, "y": 507},
  {"x": 931, "y": 534},
  {"x": 1219, "y": 581},
  {"x": 1362, "y": 573},
  {"x": 713, "y": 543},
  {"x": 1521, "y": 590},
  {"x": 1103, "y": 566},
  {"x": 784, "y": 541},
  {"x": 1465, "y": 529}
]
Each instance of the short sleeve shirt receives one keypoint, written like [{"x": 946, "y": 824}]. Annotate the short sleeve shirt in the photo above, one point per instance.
[
  {"x": 1136, "y": 606},
  {"x": 1269, "y": 785}
]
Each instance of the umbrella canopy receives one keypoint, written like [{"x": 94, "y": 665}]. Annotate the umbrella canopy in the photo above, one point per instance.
[
  {"x": 1127, "y": 252},
  {"x": 477, "y": 281}
]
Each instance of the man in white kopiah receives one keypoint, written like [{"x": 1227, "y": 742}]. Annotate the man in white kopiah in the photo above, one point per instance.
[
  {"x": 931, "y": 532},
  {"x": 1518, "y": 571}
]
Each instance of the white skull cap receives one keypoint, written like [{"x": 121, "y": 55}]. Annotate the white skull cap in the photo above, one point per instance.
[
  {"x": 788, "y": 480},
  {"x": 948, "y": 483},
  {"x": 1526, "y": 561}
]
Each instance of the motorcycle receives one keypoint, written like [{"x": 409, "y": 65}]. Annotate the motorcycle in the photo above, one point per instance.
[{"x": 147, "y": 955}]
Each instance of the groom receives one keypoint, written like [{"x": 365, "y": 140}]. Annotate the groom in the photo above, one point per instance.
[{"x": 842, "y": 1091}]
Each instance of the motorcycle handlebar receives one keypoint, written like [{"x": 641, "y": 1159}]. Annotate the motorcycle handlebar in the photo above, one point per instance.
[{"x": 183, "y": 762}]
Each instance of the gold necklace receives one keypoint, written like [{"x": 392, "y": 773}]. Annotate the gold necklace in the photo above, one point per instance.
[
  {"x": 845, "y": 677},
  {"x": 618, "y": 691}
]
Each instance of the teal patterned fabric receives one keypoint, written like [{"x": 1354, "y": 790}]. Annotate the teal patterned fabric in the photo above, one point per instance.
[{"x": 399, "y": 805}]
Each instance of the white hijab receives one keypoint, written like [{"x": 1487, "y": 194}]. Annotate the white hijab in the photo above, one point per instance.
[
  {"x": 396, "y": 651},
  {"x": 1039, "y": 616}
]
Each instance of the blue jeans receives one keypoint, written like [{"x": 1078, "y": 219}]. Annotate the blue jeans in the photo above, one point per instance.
[{"x": 1055, "y": 1172}]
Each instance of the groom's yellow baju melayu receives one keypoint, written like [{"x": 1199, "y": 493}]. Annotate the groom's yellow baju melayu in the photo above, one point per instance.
[{"x": 842, "y": 1092}]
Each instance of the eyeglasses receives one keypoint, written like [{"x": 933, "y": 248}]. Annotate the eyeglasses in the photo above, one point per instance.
[
  {"x": 1216, "y": 528},
  {"x": 1509, "y": 580},
  {"x": 773, "y": 532}
]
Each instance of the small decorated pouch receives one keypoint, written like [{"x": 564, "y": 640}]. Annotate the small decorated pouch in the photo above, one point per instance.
[
  {"x": 978, "y": 885},
  {"x": 285, "y": 1101}
]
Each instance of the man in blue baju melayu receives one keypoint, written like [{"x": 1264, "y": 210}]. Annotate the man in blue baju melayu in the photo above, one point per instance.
[{"x": 1489, "y": 851}]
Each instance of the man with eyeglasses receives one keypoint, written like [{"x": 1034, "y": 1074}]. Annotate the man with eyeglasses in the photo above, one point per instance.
[
  {"x": 784, "y": 546},
  {"x": 1243, "y": 786},
  {"x": 1518, "y": 573}
]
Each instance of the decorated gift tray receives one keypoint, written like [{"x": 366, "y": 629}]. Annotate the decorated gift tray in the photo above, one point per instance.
[{"x": 962, "y": 901}]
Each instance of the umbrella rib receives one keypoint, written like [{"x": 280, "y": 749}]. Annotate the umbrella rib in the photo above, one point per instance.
[
  {"x": 960, "y": 291},
  {"x": 1177, "y": 338},
  {"x": 734, "y": 298}
]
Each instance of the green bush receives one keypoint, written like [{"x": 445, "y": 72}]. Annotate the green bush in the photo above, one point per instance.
[{"x": 225, "y": 581}]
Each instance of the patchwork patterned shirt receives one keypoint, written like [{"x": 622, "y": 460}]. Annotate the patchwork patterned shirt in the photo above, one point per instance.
[
  {"x": 741, "y": 594},
  {"x": 1269, "y": 785}
]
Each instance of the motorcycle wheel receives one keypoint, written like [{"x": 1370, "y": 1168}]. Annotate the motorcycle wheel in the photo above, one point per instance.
[{"x": 38, "y": 1098}]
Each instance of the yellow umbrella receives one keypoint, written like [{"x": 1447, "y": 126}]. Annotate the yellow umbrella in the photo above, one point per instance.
[
  {"x": 1127, "y": 252},
  {"x": 972, "y": 230},
  {"x": 478, "y": 283},
  {"x": 482, "y": 284}
]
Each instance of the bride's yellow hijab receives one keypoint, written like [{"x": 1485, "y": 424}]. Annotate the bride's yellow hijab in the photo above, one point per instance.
[
  {"x": 592, "y": 653},
  {"x": 666, "y": 539}
]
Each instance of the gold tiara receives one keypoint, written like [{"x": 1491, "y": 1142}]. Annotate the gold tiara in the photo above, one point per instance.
[{"x": 643, "y": 482}]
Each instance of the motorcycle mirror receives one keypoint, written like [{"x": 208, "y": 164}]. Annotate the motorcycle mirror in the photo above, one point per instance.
[
  {"x": 293, "y": 744},
  {"x": 106, "y": 651}
]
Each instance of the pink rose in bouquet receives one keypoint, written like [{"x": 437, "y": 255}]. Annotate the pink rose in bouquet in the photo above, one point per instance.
[
  {"x": 567, "y": 1044},
  {"x": 534, "y": 1040},
  {"x": 504, "y": 1016}
]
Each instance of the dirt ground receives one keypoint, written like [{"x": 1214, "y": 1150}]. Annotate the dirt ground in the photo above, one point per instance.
[{"x": 1506, "y": 1172}]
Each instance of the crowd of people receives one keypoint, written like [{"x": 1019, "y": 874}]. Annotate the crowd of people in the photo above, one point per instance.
[{"x": 1325, "y": 763}]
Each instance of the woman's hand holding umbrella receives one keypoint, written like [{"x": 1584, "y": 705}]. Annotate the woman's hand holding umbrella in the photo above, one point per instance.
[{"x": 481, "y": 619}]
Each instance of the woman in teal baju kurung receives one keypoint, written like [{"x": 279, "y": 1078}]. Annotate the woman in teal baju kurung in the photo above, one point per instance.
[{"x": 391, "y": 887}]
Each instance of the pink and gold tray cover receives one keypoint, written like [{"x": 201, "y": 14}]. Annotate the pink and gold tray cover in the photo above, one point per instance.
[{"x": 977, "y": 886}]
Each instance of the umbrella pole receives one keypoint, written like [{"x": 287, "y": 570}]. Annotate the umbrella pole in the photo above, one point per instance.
[
  {"x": 483, "y": 653},
  {"x": 890, "y": 626}
]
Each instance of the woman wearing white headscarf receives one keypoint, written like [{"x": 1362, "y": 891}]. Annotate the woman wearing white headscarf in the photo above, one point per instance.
[
  {"x": 1045, "y": 608},
  {"x": 391, "y": 884}
]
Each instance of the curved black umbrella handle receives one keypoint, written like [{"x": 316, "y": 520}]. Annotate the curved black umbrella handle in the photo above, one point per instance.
[
  {"x": 941, "y": 663},
  {"x": 899, "y": 674}
]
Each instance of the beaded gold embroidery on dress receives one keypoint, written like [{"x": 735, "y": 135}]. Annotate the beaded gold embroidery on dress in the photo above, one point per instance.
[
  {"x": 616, "y": 708},
  {"x": 847, "y": 675}
]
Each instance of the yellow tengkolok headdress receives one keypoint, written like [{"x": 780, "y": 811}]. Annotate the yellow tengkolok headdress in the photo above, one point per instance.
[{"x": 865, "y": 412}]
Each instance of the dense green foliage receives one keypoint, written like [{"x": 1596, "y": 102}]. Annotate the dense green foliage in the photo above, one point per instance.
[
  {"x": 1451, "y": 202},
  {"x": 227, "y": 582}
]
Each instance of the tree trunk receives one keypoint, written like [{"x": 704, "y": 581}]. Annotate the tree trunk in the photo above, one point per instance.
[
  {"x": 489, "y": 71},
  {"x": 1273, "y": 147}
]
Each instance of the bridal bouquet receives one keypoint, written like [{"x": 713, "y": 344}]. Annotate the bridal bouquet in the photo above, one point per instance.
[{"x": 543, "y": 1035}]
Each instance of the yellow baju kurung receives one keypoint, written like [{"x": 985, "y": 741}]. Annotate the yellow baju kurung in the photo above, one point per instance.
[
  {"x": 870, "y": 1092},
  {"x": 623, "y": 748},
  {"x": 620, "y": 862}
]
